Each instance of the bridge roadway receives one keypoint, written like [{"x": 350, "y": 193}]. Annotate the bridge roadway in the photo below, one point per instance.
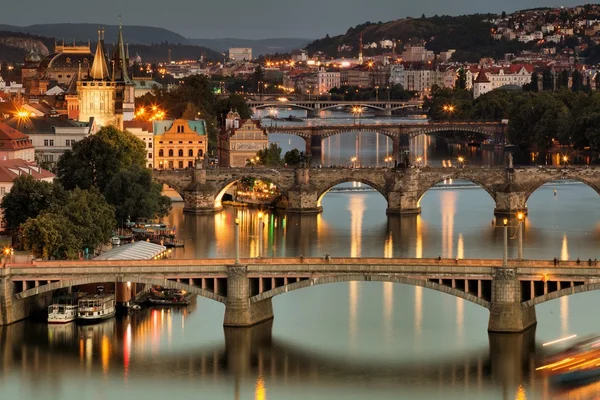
[
  {"x": 246, "y": 289},
  {"x": 314, "y": 135},
  {"x": 302, "y": 189},
  {"x": 248, "y": 353},
  {"x": 313, "y": 107}
]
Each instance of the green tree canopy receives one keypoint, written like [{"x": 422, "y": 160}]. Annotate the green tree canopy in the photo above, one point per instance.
[
  {"x": 134, "y": 194},
  {"x": 28, "y": 197},
  {"x": 293, "y": 157},
  {"x": 97, "y": 158},
  {"x": 271, "y": 156},
  {"x": 50, "y": 235},
  {"x": 92, "y": 218}
]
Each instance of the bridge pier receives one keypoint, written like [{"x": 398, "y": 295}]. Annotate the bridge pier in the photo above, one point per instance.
[
  {"x": 12, "y": 309},
  {"x": 303, "y": 198},
  {"x": 510, "y": 202},
  {"x": 507, "y": 313},
  {"x": 199, "y": 197},
  {"x": 239, "y": 312},
  {"x": 403, "y": 203}
]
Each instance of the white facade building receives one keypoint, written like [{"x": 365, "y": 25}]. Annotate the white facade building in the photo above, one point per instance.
[
  {"x": 240, "y": 53},
  {"x": 327, "y": 80}
]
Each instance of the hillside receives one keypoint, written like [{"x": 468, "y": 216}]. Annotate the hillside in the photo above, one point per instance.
[
  {"x": 468, "y": 34},
  {"x": 84, "y": 32},
  {"x": 259, "y": 47}
]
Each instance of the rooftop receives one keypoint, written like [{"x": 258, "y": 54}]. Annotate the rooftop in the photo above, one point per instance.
[
  {"x": 133, "y": 251},
  {"x": 11, "y": 169}
]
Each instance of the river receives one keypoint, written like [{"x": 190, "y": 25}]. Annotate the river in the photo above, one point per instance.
[{"x": 338, "y": 341}]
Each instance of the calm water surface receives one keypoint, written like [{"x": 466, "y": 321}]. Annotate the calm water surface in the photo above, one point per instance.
[{"x": 352, "y": 340}]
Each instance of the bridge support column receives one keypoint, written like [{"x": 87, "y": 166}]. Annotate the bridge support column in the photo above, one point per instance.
[
  {"x": 12, "y": 309},
  {"x": 507, "y": 314},
  {"x": 303, "y": 198},
  {"x": 403, "y": 203},
  {"x": 511, "y": 357},
  {"x": 199, "y": 196},
  {"x": 239, "y": 312},
  {"x": 510, "y": 202}
]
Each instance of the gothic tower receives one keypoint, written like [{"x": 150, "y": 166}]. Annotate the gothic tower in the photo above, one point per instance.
[
  {"x": 125, "y": 100},
  {"x": 98, "y": 92}
]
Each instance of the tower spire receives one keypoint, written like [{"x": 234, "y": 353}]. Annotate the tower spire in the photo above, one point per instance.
[
  {"x": 99, "y": 71},
  {"x": 119, "y": 72},
  {"x": 360, "y": 49}
]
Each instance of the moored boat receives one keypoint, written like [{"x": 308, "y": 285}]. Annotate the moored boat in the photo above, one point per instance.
[
  {"x": 95, "y": 308},
  {"x": 115, "y": 240},
  {"x": 578, "y": 364},
  {"x": 63, "y": 309}
]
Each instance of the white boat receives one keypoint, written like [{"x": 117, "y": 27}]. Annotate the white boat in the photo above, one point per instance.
[
  {"x": 63, "y": 309},
  {"x": 115, "y": 241},
  {"x": 97, "y": 307}
]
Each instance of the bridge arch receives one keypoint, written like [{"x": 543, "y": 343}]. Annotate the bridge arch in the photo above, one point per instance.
[
  {"x": 366, "y": 105},
  {"x": 588, "y": 287},
  {"x": 65, "y": 283},
  {"x": 532, "y": 187},
  {"x": 286, "y": 105},
  {"x": 330, "y": 185},
  {"x": 359, "y": 129},
  {"x": 170, "y": 183},
  {"x": 225, "y": 186},
  {"x": 458, "y": 176},
  {"x": 371, "y": 278},
  {"x": 436, "y": 130}
]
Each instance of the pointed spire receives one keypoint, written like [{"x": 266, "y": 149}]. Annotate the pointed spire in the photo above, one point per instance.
[
  {"x": 99, "y": 71},
  {"x": 120, "y": 65}
]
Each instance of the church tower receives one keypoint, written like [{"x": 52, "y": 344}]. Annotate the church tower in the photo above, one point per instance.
[
  {"x": 125, "y": 100},
  {"x": 98, "y": 92}
]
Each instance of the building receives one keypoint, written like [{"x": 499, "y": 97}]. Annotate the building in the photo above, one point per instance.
[
  {"x": 240, "y": 141},
  {"x": 358, "y": 76},
  {"x": 108, "y": 98},
  {"x": 179, "y": 143},
  {"x": 51, "y": 136},
  {"x": 327, "y": 80},
  {"x": 143, "y": 130},
  {"x": 417, "y": 53},
  {"x": 15, "y": 145},
  {"x": 12, "y": 169},
  {"x": 481, "y": 85},
  {"x": 240, "y": 54}
]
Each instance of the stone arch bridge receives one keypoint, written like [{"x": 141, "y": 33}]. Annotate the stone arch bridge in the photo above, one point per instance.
[
  {"x": 247, "y": 288},
  {"x": 313, "y": 107},
  {"x": 510, "y": 188},
  {"x": 314, "y": 135}
]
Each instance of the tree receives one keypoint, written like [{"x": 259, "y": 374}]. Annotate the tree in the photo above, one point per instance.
[
  {"x": 271, "y": 156},
  {"x": 92, "y": 218},
  {"x": 257, "y": 76},
  {"x": 503, "y": 16},
  {"x": 232, "y": 102},
  {"x": 547, "y": 80},
  {"x": 97, "y": 158},
  {"x": 293, "y": 157},
  {"x": 191, "y": 112},
  {"x": 532, "y": 86},
  {"x": 27, "y": 198},
  {"x": 563, "y": 79},
  {"x": 576, "y": 81},
  {"x": 134, "y": 194},
  {"x": 461, "y": 79},
  {"x": 49, "y": 235}
]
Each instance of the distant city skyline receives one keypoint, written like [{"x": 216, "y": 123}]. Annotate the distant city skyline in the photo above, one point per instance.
[{"x": 259, "y": 19}]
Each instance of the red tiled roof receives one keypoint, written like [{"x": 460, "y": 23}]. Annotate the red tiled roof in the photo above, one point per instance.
[
  {"x": 12, "y": 139},
  {"x": 11, "y": 169},
  {"x": 481, "y": 78},
  {"x": 145, "y": 125}
]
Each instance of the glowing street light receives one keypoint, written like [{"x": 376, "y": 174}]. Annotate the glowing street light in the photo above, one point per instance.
[
  {"x": 461, "y": 160},
  {"x": 418, "y": 161},
  {"x": 388, "y": 160},
  {"x": 237, "y": 241},
  {"x": 565, "y": 160},
  {"x": 354, "y": 160},
  {"x": 505, "y": 253},
  {"x": 521, "y": 219},
  {"x": 357, "y": 110}
]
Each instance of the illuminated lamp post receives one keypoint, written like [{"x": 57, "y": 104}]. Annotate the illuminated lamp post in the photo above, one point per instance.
[
  {"x": 237, "y": 241},
  {"x": 505, "y": 253},
  {"x": 521, "y": 219}
]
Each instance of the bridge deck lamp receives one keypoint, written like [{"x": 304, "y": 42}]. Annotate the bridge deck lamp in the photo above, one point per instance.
[
  {"x": 521, "y": 219},
  {"x": 237, "y": 241},
  {"x": 461, "y": 160},
  {"x": 505, "y": 254}
]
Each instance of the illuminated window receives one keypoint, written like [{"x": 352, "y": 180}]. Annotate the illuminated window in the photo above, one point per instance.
[
  {"x": 161, "y": 153},
  {"x": 191, "y": 153},
  {"x": 171, "y": 154}
]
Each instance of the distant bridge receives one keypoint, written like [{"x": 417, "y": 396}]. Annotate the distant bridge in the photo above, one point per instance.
[
  {"x": 314, "y": 135},
  {"x": 246, "y": 288},
  {"x": 314, "y": 106}
]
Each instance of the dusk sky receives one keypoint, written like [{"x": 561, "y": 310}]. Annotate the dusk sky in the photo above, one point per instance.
[{"x": 249, "y": 19}]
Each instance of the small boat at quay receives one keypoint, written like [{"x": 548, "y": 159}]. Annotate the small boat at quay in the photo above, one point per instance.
[
  {"x": 95, "y": 308},
  {"x": 64, "y": 309},
  {"x": 578, "y": 364}
]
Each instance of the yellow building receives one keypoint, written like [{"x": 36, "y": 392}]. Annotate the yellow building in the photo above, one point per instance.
[
  {"x": 178, "y": 143},
  {"x": 240, "y": 141}
]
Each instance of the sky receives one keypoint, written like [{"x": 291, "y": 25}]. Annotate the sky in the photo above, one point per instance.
[{"x": 250, "y": 19}]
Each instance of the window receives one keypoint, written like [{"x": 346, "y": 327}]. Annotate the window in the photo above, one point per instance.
[
  {"x": 200, "y": 153},
  {"x": 2, "y": 191},
  {"x": 70, "y": 142},
  {"x": 149, "y": 145},
  {"x": 180, "y": 164},
  {"x": 180, "y": 153},
  {"x": 149, "y": 155},
  {"x": 171, "y": 164},
  {"x": 48, "y": 142},
  {"x": 161, "y": 153},
  {"x": 150, "y": 166},
  {"x": 190, "y": 164},
  {"x": 171, "y": 155},
  {"x": 191, "y": 153}
]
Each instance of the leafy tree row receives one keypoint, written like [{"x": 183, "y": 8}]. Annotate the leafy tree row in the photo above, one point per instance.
[{"x": 536, "y": 120}]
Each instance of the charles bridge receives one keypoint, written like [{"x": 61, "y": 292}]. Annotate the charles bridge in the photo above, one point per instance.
[
  {"x": 303, "y": 188},
  {"x": 314, "y": 135},
  {"x": 509, "y": 290}
]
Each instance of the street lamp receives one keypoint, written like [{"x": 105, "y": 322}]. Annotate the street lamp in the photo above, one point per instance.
[
  {"x": 565, "y": 160},
  {"x": 354, "y": 159},
  {"x": 273, "y": 112},
  {"x": 357, "y": 110},
  {"x": 505, "y": 254},
  {"x": 237, "y": 241},
  {"x": 448, "y": 109},
  {"x": 418, "y": 161},
  {"x": 461, "y": 160},
  {"x": 260, "y": 232},
  {"x": 521, "y": 219},
  {"x": 376, "y": 93}
]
